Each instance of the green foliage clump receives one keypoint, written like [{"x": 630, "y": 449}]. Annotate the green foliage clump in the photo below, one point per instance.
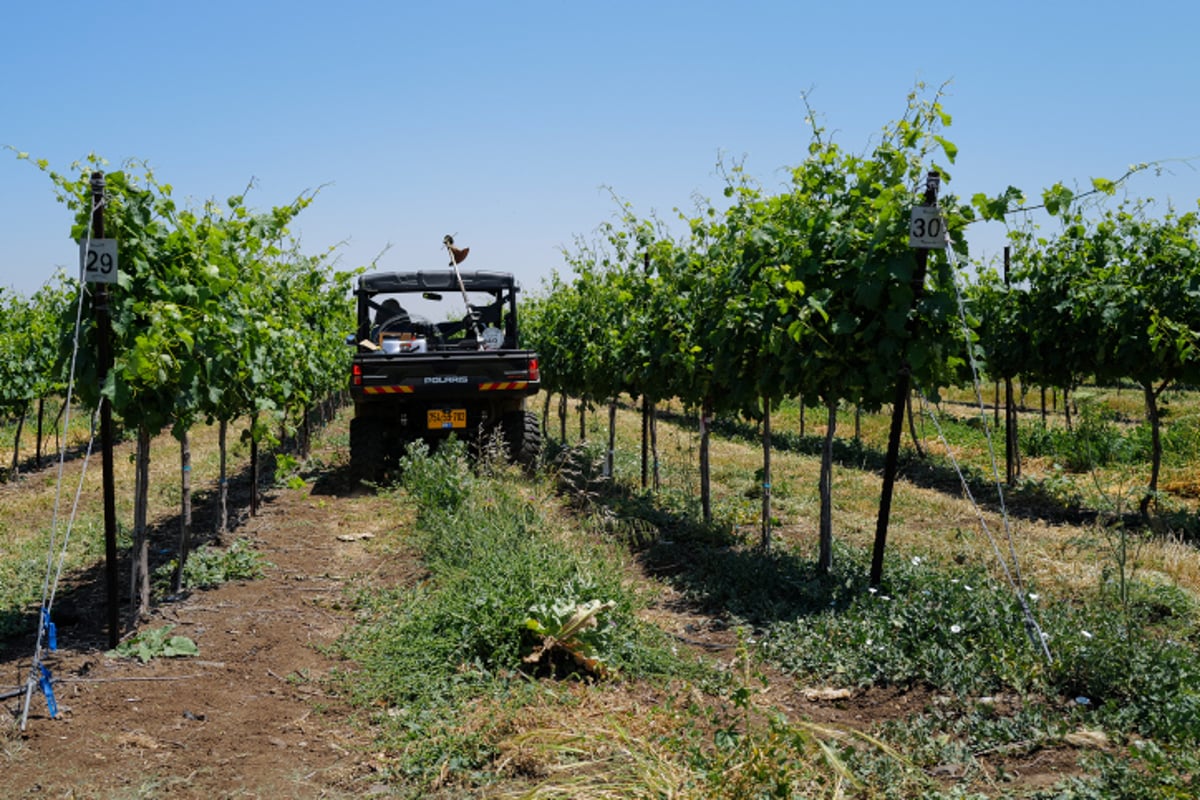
[
  {"x": 440, "y": 482},
  {"x": 1132, "y": 666},
  {"x": 29, "y": 343},
  {"x": 155, "y": 643},
  {"x": 959, "y": 632},
  {"x": 1180, "y": 441},
  {"x": 287, "y": 471},
  {"x": 1094, "y": 441},
  {"x": 572, "y": 631},
  {"x": 208, "y": 567},
  {"x": 1137, "y": 665},
  {"x": 1141, "y": 770}
]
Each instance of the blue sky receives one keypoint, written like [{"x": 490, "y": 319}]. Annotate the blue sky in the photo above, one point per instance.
[{"x": 504, "y": 123}]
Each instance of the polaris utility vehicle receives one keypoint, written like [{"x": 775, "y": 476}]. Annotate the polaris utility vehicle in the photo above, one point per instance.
[{"x": 466, "y": 375}]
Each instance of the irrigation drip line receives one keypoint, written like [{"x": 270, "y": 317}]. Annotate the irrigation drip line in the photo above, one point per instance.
[
  {"x": 1011, "y": 564},
  {"x": 39, "y": 674}
]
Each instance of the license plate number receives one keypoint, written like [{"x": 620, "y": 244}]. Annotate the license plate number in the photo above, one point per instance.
[{"x": 443, "y": 419}]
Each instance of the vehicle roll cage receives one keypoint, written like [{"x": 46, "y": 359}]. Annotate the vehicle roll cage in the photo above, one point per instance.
[{"x": 500, "y": 285}]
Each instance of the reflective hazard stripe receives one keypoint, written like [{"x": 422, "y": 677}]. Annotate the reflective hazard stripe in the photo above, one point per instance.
[
  {"x": 503, "y": 385},
  {"x": 387, "y": 390}
]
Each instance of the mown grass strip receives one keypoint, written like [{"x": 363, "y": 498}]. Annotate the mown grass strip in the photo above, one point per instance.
[{"x": 426, "y": 653}]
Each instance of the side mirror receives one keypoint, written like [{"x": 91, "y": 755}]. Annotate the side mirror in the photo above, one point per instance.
[{"x": 351, "y": 339}]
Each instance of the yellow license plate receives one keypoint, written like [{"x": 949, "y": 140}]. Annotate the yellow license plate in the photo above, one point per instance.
[{"x": 440, "y": 419}]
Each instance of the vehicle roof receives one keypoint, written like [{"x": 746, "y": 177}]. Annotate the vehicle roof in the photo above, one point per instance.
[{"x": 434, "y": 280}]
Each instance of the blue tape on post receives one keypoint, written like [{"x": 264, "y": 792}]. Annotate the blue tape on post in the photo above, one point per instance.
[
  {"x": 48, "y": 689},
  {"x": 51, "y": 630}
]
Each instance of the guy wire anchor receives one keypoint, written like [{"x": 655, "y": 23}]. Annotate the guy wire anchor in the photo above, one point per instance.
[{"x": 39, "y": 673}]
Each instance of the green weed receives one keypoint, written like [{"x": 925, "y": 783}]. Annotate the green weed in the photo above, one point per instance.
[
  {"x": 1132, "y": 668},
  {"x": 1143, "y": 771},
  {"x": 23, "y": 563},
  {"x": 155, "y": 643},
  {"x": 438, "y": 481},
  {"x": 287, "y": 471},
  {"x": 208, "y": 567},
  {"x": 958, "y": 632}
]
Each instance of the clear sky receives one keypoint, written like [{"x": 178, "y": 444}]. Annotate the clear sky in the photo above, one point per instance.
[{"x": 503, "y": 123}]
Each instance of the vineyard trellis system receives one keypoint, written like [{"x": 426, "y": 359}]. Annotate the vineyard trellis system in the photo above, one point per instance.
[
  {"x": 813, "y": 292},
  {"x": 215, "y": 315}
]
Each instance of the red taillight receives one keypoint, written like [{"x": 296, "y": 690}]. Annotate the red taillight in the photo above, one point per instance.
[
  {"x": 356, "y": 374},
  {"x": 534, "y": 374}
]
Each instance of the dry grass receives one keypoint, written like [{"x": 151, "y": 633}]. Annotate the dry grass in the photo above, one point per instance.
[
  {"x": 28, "y": 503},
  {"x": 27, "y": 509},
  {"x": 927, "y": 522},
  {"x": 602, "y": 743},
  {"x": 609, "y": 742}
]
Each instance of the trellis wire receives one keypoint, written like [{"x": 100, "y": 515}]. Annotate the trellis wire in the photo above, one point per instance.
[
  {"x": 49, "y": 583},
  {"x": 1012, "y": 571}
]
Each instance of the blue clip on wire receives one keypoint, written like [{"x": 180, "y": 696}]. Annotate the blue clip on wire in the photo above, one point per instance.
[
  {"x": 48, "y": 690},
  {"x": 51, "y": 630}
]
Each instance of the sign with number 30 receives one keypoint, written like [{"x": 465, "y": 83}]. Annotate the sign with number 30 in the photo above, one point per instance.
[{"x": 926, "y": 228}]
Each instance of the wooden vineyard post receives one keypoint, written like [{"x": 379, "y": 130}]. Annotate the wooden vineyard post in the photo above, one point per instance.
[
  {"x": 253, "y": 466},
  {"x": 1012, "y": 464},
  {"x": 610, "y": 453},
  {"x": 185, "y": 516},
  {"x": 766, "y": 480},
  {"x": 645, "y": 441},
  {"x": 37, "y": 458},
  {"x": 706, "y": 418},
  {"x": 100, "y": 267},
  {"x": 926, "y": 232},
  {"x": 645, "y": 407}
]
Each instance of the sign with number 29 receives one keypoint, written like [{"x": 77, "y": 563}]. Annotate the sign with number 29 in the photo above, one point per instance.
[{"x": 98, "y": 260}]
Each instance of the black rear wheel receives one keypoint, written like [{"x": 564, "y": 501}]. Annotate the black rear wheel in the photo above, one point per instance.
[
  {"x": 522, "y": 438},
  {"x": 368, "y": 450}
]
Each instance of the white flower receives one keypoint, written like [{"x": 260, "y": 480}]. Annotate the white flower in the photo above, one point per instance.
[
  {"x": 1086, "y": 634},
  {"x": 868, "y": 642},
  {"x": 1034, "y": 597},
  {"x": 956, "y": 628},
  {"x": 872, "y": 590},
  {"x": 967, "y": 587},
  {"x": 916, "y": 561}
]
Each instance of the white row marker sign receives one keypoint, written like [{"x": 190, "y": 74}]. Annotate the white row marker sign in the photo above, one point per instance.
[
  {"x": 98, "y": 260},
  {"x": 926, "y": 228}
]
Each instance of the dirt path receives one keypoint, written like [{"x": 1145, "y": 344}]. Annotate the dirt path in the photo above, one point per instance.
[{"x": 245, "y": 718}]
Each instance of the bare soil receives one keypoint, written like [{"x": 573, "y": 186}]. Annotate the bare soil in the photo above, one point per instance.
[{"x": 248, "y": 717}]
